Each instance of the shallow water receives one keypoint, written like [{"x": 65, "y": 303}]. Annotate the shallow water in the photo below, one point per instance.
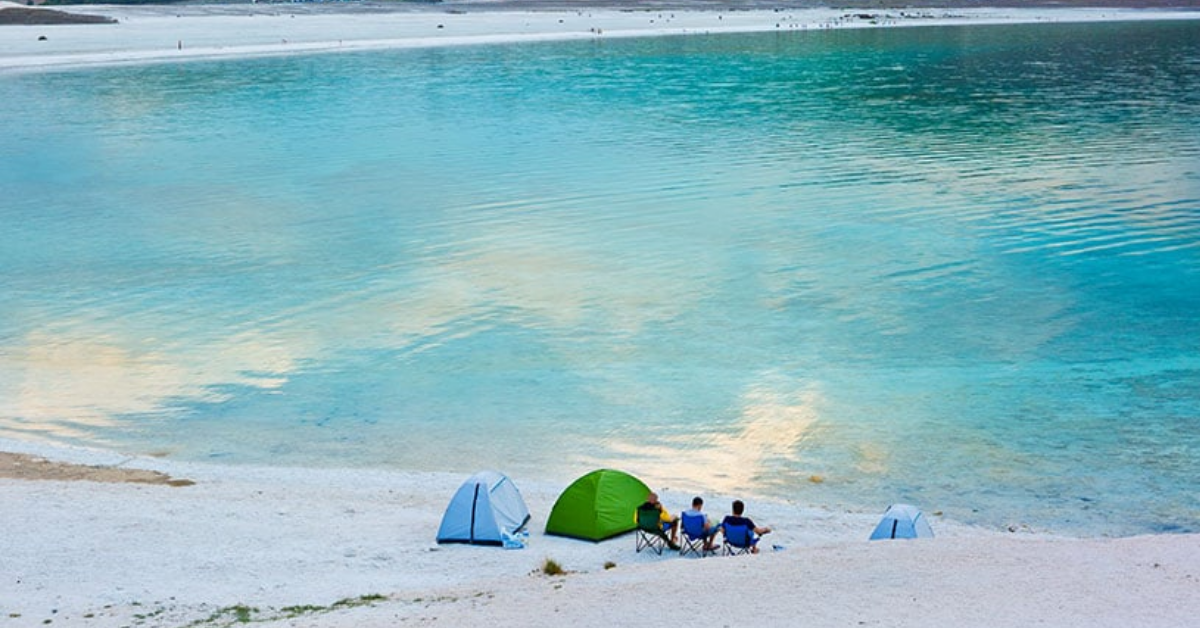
[{"x": 952, "y": 266}]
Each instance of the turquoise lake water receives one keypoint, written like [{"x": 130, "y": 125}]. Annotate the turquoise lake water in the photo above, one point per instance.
[{"x": 952, "y": 266}]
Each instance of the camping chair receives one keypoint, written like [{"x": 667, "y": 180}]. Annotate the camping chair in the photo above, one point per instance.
[
  {"x": 650, "y": 534},
  {"x": 738, "y": 540},
  {"x": 694, "y": 537}
]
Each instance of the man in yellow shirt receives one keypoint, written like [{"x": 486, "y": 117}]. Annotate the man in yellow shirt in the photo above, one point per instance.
[{"x": 669, "y": 524}]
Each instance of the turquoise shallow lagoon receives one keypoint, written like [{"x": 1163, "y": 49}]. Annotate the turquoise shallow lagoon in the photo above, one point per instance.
[{"x": 952, "y": 266}]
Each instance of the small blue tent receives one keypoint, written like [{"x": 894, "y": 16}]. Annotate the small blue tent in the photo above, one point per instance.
[
  {"x": 486, "y": 506},
  {"x": 902, "y": 521}
]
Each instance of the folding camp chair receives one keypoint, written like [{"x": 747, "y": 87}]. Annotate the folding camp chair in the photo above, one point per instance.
[
  {"x": 650, "y": 533},
  {"x": 694, "y": 537},
  {"x": 738, "y": 540}
]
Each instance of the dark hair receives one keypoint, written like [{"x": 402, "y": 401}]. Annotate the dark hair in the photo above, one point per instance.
[
  {"x": 738, "y": 507},
  {"x": 696, "y": 501}
]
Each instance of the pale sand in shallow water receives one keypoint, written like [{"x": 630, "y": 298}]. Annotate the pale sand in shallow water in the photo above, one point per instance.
[{"x": 26, "y": 467}]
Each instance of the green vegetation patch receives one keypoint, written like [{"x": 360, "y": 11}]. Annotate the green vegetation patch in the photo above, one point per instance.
[
  {"x": 242, "y": 614},
  {"x": 552, "y": 568}
]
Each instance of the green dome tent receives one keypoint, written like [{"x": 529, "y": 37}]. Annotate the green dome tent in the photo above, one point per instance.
[{"x": 597, "y": 506}]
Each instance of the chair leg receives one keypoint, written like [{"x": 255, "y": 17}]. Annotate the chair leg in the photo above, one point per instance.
[{"x": 649, "y": 541}]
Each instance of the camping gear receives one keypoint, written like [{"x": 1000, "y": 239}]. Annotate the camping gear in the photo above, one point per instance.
[
  {"x": 597, "y": 506},
  {"x": 902, "y": 521},
  {"x": 487, "y": 510}
]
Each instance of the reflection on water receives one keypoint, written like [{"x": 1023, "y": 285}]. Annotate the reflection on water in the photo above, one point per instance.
[
  {"x": 64, "y": 384},
  {"x": 953, "y": 266},
  {"x": 738, "y": 459}
]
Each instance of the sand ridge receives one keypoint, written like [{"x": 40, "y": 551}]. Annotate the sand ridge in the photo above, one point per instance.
[{"x": 27, "y": 467}]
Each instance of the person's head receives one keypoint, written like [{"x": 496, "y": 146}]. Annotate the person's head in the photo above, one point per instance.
[
  {"x": 738, "y": 507},
  {"x": 697, "y": 503},
  {"x": 651, "y": 498}
]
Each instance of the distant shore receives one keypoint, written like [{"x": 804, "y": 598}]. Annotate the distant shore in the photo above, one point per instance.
[{"x": 184, "y": 32}]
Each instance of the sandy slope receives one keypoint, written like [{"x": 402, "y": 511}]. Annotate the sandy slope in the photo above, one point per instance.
[{"x": 86, "y": 553}]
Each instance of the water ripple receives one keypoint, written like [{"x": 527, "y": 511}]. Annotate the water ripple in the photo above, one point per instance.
[{"x": 798, "y": 254}]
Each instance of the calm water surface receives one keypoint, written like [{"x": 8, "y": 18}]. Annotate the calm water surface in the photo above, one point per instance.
[{"x": 958, "y": 267}]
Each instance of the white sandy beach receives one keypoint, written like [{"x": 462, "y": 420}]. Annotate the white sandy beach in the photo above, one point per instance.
[
  {"x": 162, "y": 33},
  {"x": 354, "y": 548}
]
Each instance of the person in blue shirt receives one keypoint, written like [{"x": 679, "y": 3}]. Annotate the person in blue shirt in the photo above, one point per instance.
[
  {"x": 709, "y": 530},
  {"x": 738, "y": 519}
]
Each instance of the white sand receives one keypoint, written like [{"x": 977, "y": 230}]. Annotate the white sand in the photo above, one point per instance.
[
  {"x": 174, "y": 33},
  {"x": 82, "y": 553}
]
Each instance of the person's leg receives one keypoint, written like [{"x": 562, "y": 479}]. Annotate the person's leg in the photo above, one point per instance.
[{"x": 672, "y": 540}]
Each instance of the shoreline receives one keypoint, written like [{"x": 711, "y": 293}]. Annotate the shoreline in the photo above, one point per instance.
[
  {"x": 343, "y": 548},
  {"x": 177, "y": 33}
]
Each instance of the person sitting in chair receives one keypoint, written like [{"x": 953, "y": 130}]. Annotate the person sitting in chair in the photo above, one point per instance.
[
  {"x": 710, "y": 530},
  {"x": 670, "y": 525},
  {"x": 737, "y": 519}
]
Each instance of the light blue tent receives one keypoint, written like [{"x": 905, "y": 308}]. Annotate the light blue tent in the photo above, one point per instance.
[
  {"x": 486, "y": 508},
  {"x": 902, "y": 521}
]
